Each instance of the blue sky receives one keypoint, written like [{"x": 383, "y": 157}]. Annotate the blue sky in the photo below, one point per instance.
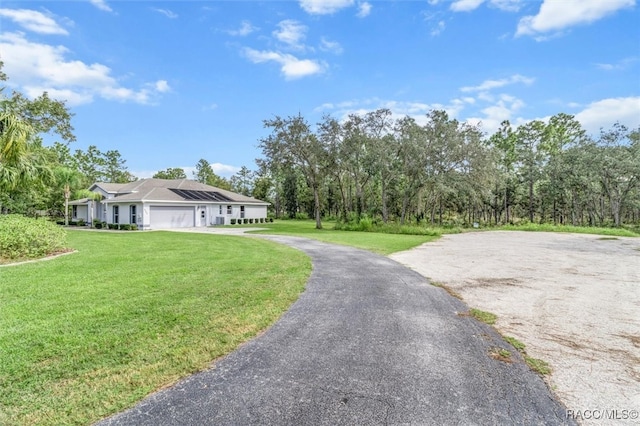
[{"x": 170, "y": 82}]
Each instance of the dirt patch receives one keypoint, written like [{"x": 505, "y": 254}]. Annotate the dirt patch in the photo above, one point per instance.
[{"x": 574, "y": 300}]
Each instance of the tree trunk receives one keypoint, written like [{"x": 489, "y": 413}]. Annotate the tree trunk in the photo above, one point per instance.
[
  {"x": 67, "y": 194},
  {"x": 506, "y": 204},
  {"x": 316, "y": 199},
  {"x": 405, "y": 204},
  {"x": 385, "y": 210}
]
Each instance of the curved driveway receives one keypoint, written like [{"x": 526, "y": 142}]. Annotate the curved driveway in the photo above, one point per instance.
[{"x": 369, "y": 342}]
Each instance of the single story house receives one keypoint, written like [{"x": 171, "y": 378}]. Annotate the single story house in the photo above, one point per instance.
[{"x": 166, "y": 204}]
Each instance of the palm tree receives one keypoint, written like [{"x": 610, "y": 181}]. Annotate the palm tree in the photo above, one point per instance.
[
  {"x": 67, "y": 178},
  {"x": 15, "y": 135},
  {"x": 93, "y": 197}
]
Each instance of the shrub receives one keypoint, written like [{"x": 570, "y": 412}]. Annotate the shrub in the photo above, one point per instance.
[
  {"x": 134, "y": 227},
  {"x": 271, "y": 220},
  {"x": 246, "y": 220},
  {"x": 97, "y": 223},
  {"x": 233, "y": 221},
  {"x": 251, "y": 220},
  {"x": 113, "y": 226},
  {"x": 125, "y": 227},
  {"x": 81, "y": 222},
  {"x": 23, "y": 237}
]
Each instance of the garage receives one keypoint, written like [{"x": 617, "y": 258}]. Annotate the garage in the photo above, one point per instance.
[{"x": 165, "y": 217}]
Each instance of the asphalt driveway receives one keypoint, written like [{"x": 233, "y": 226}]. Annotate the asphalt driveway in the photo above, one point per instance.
[{"x": 369, "y": 342}]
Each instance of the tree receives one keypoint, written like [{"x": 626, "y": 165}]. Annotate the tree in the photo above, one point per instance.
[
  {"x": 170, "y": 173},
  {"x": 619, "y": 164},
  {"x": 114, "y": 169},
  {"x": 504, "y": 142},
  {"x": 68, "y": 179},
  {"x": 529, "y": 158},
  {"x": 23, "y": 162},
  {"x": 413, "y": 149},
  {"x": 562, "y": 132},
  {"x": 90, "y": 164},
  {"x": 43, "y": 114},
  {"x": 204, "y": 174},
  {"x": 242, "y": 182},
  {"x": 15, "y": 135},
  {"x": 292, "y": 142}
]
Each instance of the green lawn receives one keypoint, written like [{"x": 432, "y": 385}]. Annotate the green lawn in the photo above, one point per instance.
[
  {"x": 547, "y": 227},
  {"x": 89, "y": 334},
  {"x": 375, "y": 242}
]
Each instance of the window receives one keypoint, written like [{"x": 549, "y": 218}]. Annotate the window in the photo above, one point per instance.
[
  {"x": 116, "y": 214},
  {"x": 242, "y": 211},
  {"x": 220, "y": 212},
  {"x": 74, "y": 211},
  {"x": 228, "y": 209},
  {"x": 132, "y": 213}
]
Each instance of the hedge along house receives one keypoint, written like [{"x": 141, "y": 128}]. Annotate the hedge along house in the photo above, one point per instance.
[{"x": 166, "y": 204}]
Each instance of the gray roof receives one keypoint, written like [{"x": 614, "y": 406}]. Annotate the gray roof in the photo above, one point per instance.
[
  {"x": 110, "y": 188},
  {"x": 160, "y": 190},
  {"x": 80, "y": 202}
]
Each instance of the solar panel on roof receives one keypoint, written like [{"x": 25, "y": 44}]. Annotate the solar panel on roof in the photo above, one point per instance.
[{"x": 195, "y": 195}]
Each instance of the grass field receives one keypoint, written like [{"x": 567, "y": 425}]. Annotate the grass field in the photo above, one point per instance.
[
  {"x": 88, "y": 334},
  {"x": 372, "y": 241}
]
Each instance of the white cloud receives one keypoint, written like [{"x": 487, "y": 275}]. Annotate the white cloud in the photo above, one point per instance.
[
  {"x": 162, "y": 86},
  {"x": 399, "y": 109},
  {"x": 494, "y": 84},
  {"x": 224, "y": 170},
  {"x": 324, "y": 7},
  {"x": 330, "y": 46},
  {"x": 101, "y": 4},
  {"x": 166, "y": 12},
  {"x": 364, "y": 9},
  {"x": 507, "y": 5},
  {"x": 70, "y": 96},
  {"x": 606, "y": 112},
  {"x": 465, "y": 5},
  {"x": 291, "y": 67},
  {"x": 33, "y": 20},
  {"x": 489, "y": 113},
  {"x": 291, "y": 32},
  {"x": 438, "y": 29},
  {"x": 504, "y": 108},
  {"x": 37, "y": 67},
  {"x": 620, "y": 65},
  {"x": 245, "y": 29},
  {"x": 557, "y": 15},
  {"x": 470, "y": 5}
]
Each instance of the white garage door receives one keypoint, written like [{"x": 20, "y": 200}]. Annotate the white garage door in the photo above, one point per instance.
[{"x": 166, "y": 217}]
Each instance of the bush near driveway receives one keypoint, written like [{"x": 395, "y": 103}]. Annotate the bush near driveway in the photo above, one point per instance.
[{"x": 23, "y": 237}]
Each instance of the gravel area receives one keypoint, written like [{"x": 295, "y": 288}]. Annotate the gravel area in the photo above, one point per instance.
[{"x": 574, "y": 300}]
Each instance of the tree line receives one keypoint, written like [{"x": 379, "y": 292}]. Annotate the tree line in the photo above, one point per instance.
[{"x": 446, "y": 172}]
